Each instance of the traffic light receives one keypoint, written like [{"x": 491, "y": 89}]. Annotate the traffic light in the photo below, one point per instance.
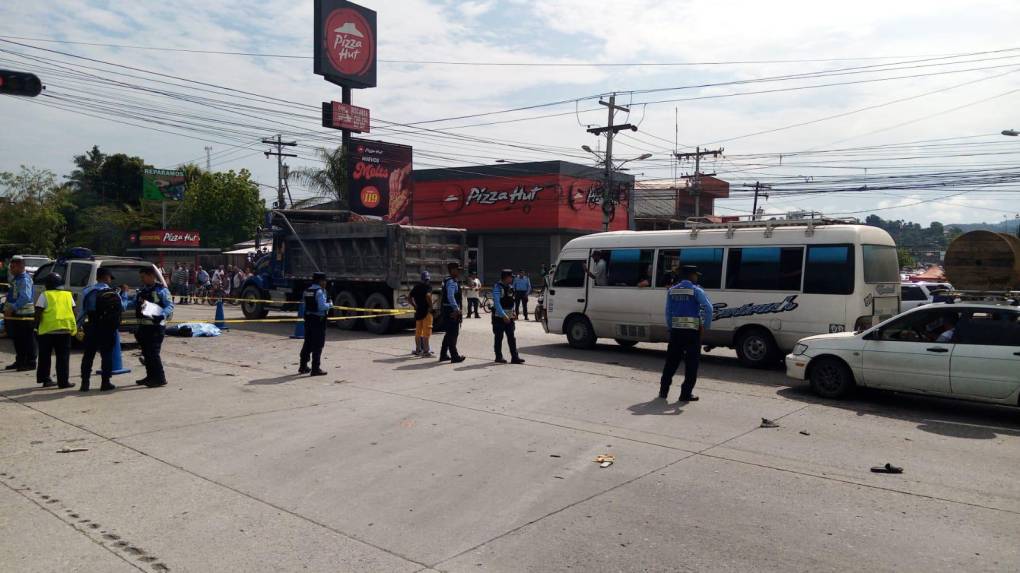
[{"x": 19, "y": 84}]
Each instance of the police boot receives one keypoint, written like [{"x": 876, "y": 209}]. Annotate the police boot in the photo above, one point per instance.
[
  {"x": 156, "y": 383},
  {"x": 318, "y": 372},
  {"x": 303, "y": 369},
  {"x": 143, "y": 381},
  {"x": 107, "y": 386}
]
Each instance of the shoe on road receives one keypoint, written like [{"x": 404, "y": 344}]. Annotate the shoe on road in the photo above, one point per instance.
[
  {"x": 142, "y": 382},
  {"x": 458, "y": 359},
  {"x": 65, "y": 385},
  {"x": 48, "y": 383},
  {"x": 444, "y": 359},
  {"x": 155, "y": 383},
  {"x": 318, "y": 372},
  {"x": 691, "y": 398},
  {"x": 106, "y": 387},
  {"x": 25, "y": 368},
  {"x": 304, "y": 370},
  {"x": 517, "y": 361},
  {"x": 500, "y": 361},
  {"x": 11, "y": 366}
]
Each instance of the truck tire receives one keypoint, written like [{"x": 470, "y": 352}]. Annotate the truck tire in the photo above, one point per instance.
[
  {"x": 756, "y": 348},
  {"x": 253, "y": 310},
  {"x": 346, "y": 298},
  {"x": 580, "y": 333},
  {"x": 382, "y": 323}
]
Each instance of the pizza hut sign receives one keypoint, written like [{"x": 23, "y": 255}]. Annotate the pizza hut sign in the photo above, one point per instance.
[
  {"x": 345, "y": 43},
  {"x": 169, "y": 238}
]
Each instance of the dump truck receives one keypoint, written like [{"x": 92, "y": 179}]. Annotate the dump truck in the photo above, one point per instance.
[{"x": 368, "y": 264}]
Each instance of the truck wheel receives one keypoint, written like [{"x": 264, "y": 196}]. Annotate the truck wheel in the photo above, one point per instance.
[
  {"x": 346, "y": 298},
  {"x": 756, "y": 348},
  {"x": 580, "y": 333},
  {"x": 830, "y": 378},
  {"x": 253, "y": 310},
  {"x": 379, "y": 323}
]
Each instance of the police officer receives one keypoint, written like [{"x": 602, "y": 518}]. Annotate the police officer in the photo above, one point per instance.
[
  {"x": 316, "y": 310},
  {"x": 152, "y": 329},
  {"x": 99, "y": 323},
  {"x": 502, "y": 319},
  {"x": 451, "y": 315},
  {"x": 688, "y": 314},
  {"x": 55, "y": 325},
  {"x": 18, "y": 313}
]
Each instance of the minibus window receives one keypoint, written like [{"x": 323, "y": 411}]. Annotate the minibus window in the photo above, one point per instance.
[
  {"x": 829, "y": 270},
  {"x": 708, "y": 260},
  {"x": 630, "y": 267},
  {"x": 881, "y": 264},
  {"x": 569, "y": 274},
  {"x": 765, "y": 268}
]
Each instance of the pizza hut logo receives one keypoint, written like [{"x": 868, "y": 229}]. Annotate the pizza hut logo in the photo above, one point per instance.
[
  {"x": 349, "y": 42},
  {"x": 483, "y": 196},
  {"x": 454, "y": 200}
]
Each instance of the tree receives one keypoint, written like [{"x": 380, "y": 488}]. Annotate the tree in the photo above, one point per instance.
[
  {"x": 224, "y": 207},
  {"x": 906, "y": 260},
  {"x": 329, "y": 182},
  {"x": 29, "y": 215}
]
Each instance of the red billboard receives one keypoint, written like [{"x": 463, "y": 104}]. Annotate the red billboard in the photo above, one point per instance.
[
  {"x": 338, "y": 115},
  {"x": 166, "y": 238},
  {"x": 533, "y": 201},
  {"x": 345, "y": 43},
  {"x": 381, "y": 186}
]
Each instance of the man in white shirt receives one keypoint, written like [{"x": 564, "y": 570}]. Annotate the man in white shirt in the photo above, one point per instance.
[
  {"x": 474, "y": 290},
  {"x": 598, "y": 271}
]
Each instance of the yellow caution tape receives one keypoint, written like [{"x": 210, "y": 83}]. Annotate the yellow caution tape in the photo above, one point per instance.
[
  {"x": 270, "y": 320},
  {"x": 264, "y": 301}
]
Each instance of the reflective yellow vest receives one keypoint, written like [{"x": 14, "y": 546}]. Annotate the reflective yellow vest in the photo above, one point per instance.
[{"x": 59, "y": 313}]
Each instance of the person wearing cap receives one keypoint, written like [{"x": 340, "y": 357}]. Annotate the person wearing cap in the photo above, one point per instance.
[
  {"x": 688, "y": 314},
  {"x": 503, "y": 317},
  {"x": 316, "y": 310},
  {"x": 451, "y": 315},
  {"x": 522, "y": 288},
  {"x": 55, "y": 325},
  {"x": 421, "y": 301},
  {"x": 99, "y": 324},
  {"x": 152, "y": 325},
  {"x": 18, "y": 314}
]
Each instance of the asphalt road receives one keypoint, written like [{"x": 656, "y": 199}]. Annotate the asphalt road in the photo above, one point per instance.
[{"x": 393, "y": 463}]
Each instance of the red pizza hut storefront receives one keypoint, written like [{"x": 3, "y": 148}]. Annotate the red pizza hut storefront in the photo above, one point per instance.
[
  {"x": 519, "y": 215},
  {"x": 166, "y": 247}
]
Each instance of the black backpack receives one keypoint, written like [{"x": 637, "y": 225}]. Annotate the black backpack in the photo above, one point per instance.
[{"x": 108, "y": 309}]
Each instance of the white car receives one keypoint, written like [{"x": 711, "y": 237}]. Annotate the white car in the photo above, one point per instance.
[
  {"x": 964, "y": 350},
  {"x": 33, "y": 262},
  {"x": 913, "y": 295}
]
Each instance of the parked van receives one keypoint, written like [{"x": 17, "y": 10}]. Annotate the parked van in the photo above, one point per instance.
[{"x": 771, "y": 283}]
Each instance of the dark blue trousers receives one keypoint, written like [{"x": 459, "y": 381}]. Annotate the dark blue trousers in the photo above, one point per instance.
[{"x": 684, "y": 346}]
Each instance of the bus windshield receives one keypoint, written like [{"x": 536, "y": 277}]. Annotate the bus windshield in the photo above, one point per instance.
[{"x": 881, "y": 264}]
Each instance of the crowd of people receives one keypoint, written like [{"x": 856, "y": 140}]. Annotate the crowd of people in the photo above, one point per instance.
[{"x": 188, "y": 282}]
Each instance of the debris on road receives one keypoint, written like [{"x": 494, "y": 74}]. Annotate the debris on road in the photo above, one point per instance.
[
  {"x": 805, "y": 433},
  {"x": 605, "y": 460},
  {"x": 71, "y": 450},
  {"x": 766, "y": 423},
  {"x": 887, "y": 469}
]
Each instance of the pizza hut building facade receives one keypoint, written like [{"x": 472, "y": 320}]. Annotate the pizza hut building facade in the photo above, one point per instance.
[{"x": 519, "y": 215}]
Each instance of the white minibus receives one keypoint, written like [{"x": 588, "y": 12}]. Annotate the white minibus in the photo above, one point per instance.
[{"x": 771, "y": 283}]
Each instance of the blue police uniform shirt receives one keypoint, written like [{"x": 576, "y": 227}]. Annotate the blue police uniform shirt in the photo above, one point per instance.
[
  {"x": 21, "y": 297},
  {"x": 322, "y": 304},
  {"x": 497, "y": 293},
  {"x": 522, "y": 284},
  {"x": 680, "y": 304},
  {"x": 450, "y": 296},
  {"x": 163, "y": 299},
  {"x": 89, "y": 302}
]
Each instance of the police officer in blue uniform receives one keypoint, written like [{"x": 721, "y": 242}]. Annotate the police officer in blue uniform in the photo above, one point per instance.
[
  {"x": 503, "y": 317},
  {"x": 316, "y": 310},
  {"x": 451, "y": 315},
  {"x": 152, "y": 329},
  {"x": 99, "y": 325},
  {"x": 19, "y": 312},
  {"x": 688, "y": 314}
]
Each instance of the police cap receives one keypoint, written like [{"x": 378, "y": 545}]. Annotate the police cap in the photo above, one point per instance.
[
  {"x": 103, "y": 272},
  {"x": 53, "y": 281},
  {"x": 318, "y": 276},
  {"x": 689, "y": 270},
  {"x": 506, "y": 273}
]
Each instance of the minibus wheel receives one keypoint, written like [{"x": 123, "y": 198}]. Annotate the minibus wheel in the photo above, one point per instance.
[
  {"x": 580, "y": 333},
  {"x": 756, "y": 348}
]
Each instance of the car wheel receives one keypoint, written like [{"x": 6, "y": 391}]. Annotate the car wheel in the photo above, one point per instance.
[
  {"x": 580, "y": 333},
  {"x": 756, "y": 348},
  {"x": 831, "y": 378},
  {"x": 626, "y": 343},
  {"x": 348, "y": 299}
]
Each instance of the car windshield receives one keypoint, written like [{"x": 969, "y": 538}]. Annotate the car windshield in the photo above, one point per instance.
[
  {"x": 35, "y": 262},
  {"x": 881, "y": 264}
]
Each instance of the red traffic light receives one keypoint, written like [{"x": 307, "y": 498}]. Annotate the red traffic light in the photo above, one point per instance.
[{"x": 19, "y": 84}]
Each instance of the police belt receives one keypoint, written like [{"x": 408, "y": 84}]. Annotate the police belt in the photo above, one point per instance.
[{"x": 685, "y": 322}]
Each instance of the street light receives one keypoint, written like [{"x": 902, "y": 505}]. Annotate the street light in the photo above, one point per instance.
[{"x": 1010, "y": 132}]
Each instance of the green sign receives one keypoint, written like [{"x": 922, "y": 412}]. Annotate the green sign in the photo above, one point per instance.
[{"x": 163, "y": 185}]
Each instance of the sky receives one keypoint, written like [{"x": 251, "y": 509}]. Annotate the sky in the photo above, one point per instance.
[{"x": 911, "y": 130}]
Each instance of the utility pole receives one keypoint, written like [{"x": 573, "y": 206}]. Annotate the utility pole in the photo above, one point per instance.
[
  {"x": 279, "y": 143},
  {"x": 696, "y": 188},
  {"x": 208, "y": 158},
  {"x": 758, "y": 187},
  {"x": 608, "y": 206}
]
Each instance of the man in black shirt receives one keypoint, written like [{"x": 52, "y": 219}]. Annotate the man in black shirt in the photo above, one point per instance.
[{"x": 421, "y": 300}]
